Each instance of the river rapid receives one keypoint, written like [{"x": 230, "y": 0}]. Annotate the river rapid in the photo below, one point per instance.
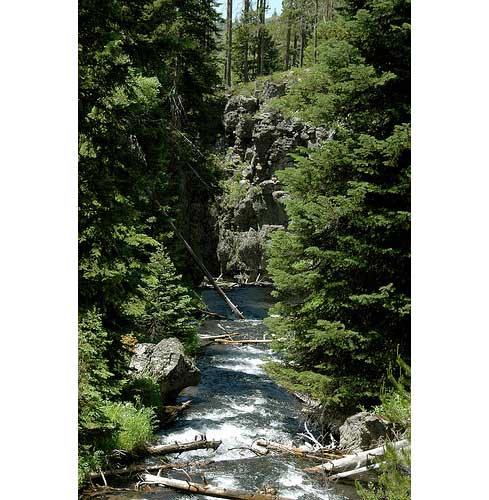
[{"x": 236, "y": 402}]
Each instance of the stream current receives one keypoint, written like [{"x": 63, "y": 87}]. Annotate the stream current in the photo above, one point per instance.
[{"x": 237, "y": 402}]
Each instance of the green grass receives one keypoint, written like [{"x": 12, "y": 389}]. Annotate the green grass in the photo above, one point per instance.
[{"x": 134, "y": 426}]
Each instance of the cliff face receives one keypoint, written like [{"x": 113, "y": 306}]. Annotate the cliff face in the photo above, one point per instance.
[{"x": 258, "y": 144}]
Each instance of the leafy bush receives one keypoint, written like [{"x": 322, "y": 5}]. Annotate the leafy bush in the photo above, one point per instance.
[{"x": 89, "y": 460}]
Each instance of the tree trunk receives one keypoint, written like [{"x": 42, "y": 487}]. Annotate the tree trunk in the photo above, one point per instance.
[
  {"x": 294, "y": 55},
  {"x": 262, "y": 38},
  {"x": 258, "y": 341},
  {"x": 229, "y": 40},
  {"x": 165, "y": 449},
  {"x": 233, "y": 308},
  {"x": 302, "y": 40},
  {"x": 315, "y": 30},
  {"x": 356, "y": 461},
  {"x": 282, "y": 448},
  {"x": 247, "y": 34},
  {"x": 361, "y": 474},
  {"x": 131, "y": 469},
  {"x": 209, "y": 490},
  {"x": 287, "y": 44}
]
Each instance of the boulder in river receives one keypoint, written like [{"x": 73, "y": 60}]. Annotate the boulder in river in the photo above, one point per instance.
[
  {"x": 167, "y": 364},
  {"x": 363, "y": 431}
]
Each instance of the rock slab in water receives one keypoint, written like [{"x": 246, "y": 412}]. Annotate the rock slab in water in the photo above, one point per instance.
[
  {"x": 363, "y": 431},
  {"x": 167, "y": 364}
]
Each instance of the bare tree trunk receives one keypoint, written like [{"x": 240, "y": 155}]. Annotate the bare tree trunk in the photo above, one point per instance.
[
  {"x": 131, "y": 469},
  {"x": 207, "y": 489},
  {"x": 287, "y": 44},
  {"x": 218, "y": 289},
  {"x": 282, "y": 448},
  {"x": 229, "y": 40},
  {"x": 356, "y": 461},
  {"x": 247, "y": 34},
  {"x": 315, "y": 30},
  {"x": 166, "y": 449},
  {"x": 294, "y": 55},
  {"x": 302, "y": 40},
  {"x": 261, "y": 14},
  {"x": 249, "y": 341}
]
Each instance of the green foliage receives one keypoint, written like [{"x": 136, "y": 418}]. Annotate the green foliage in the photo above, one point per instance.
[
  {"x": 163, "y": 307},
  {"x": 394, "y": 481},
  {"x": 395, "y": 474},
  {"x": 395, "y": 401},
  {"x": 342, "y": 268},
  {"x": 143, "y": 392},
  {"x": 133, "y": 427},
  {"x": 94, "y": 378},
  {"x": 242, "y": 35},
  {"x": 89, "y": 460},
  {"x": 147, "y": 75}
]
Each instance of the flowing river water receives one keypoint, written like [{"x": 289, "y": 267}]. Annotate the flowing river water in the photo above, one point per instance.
[{"x": 237, "y": 402}]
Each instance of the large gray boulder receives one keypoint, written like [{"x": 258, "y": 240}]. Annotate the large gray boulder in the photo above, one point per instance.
[
  {"x": 167, "y": 364},
  {"x": 364, "y": 431}
]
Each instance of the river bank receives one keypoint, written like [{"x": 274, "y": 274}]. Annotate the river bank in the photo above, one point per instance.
[{"x": 237, "y": 402}]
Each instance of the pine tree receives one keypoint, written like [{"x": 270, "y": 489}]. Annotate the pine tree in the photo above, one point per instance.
[{"x": 342, "y": 269}]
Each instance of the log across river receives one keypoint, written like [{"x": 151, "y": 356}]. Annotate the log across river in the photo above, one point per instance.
[{"x": 236, "y": 403}]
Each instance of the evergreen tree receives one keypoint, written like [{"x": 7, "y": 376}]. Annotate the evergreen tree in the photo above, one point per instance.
[
  {"x": 147, "y": 77},
  {"x": 342, "y": 269}
]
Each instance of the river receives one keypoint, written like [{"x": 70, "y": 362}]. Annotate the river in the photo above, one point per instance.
[{"x": 236, "y": 402}]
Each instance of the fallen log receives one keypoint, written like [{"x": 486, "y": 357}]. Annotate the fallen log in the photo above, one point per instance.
[
  {"x": 282, "y": 448},
  {"x": 171, "y": 412},
  {"x": 209, "y": 490},
  {"x": 248, "y": 341},
  {"x": 136, "y": 468},
  {"x": 211, "y": 314},
  {"x": 356, "y": 461},
  {"x": 214, "y": 337},
  {"x": 218, "y": 289},
  {"x": 165, "y": 449},
  {"x": 361, "y": 474}
]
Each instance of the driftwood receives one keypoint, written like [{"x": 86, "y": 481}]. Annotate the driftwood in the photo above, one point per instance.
[
  {"x": 282, "y": 448},
  {"x": 361, "y": 474},
  {"x": 211, "y": 314},
  {"x": 137, "y": 468},
  {"x": 209, "y": 490},
  {"x": 356, "y": 461},
  {"x": 248, "y": 341},
  {"x": 165, "y": 449},
  {"x": 218, "y": 289},
  {"x": 199, "y": 262},
  {"x": 214, "y": 337},
  {"x": 172, "y": 411}
]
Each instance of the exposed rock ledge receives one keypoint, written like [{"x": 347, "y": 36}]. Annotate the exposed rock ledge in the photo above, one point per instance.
[
  {"x": 167, "y": 364},
  {"x": 259, "y": 142}
]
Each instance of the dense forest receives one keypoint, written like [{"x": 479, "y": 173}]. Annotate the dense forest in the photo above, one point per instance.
[{"x": 153, "y": 80}]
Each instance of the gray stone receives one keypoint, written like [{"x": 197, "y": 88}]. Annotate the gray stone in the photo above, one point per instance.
[
  {"x": 242, "y": 103},
  {"x": 363, "y": 431},
  {"x": 167, "y": 364},
  {"x": 271, "y": 89}
]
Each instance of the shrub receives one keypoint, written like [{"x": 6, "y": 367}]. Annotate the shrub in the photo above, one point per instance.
[{"x": 133, "y": 427}]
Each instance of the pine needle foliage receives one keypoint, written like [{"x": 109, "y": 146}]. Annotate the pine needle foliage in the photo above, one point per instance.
[{"x": 342, "y": 268}]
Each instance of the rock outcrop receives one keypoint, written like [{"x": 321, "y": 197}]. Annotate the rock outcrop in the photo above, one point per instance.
[
  {"x": 259, "y": 142},
  {"x": 364, "y": 431},
  {"x": 167, "y": 364}
]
